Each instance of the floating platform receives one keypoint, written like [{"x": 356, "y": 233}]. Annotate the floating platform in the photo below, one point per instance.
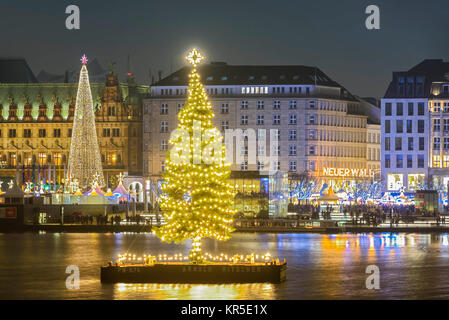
[{"x": 195, "y": 273}]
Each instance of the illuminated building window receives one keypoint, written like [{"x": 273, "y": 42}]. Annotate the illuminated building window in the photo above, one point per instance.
[
  {"x": 415, "y": 180},
  {"x": 436, "y": 161},
  {"x": 12, "y": 159},
  {"x": 445, "y": 161},
  {"x": 260, "y": 150},
  {"x": 395, "y": 181},
  {"x": 111, "y": 158},
  {"x": 42, "y": 158},
  {"x": 57, "y": 158},
  {"x": 27, "y": 159}
]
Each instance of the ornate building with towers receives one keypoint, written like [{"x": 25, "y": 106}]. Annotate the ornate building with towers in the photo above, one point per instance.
[{"x": 36, "y": 124}]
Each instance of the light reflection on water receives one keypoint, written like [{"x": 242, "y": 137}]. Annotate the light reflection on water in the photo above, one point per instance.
[{"x": 32, "y": 266}]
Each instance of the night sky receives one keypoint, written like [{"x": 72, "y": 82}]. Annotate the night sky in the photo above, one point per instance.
[{"x": 156, "y": 35}]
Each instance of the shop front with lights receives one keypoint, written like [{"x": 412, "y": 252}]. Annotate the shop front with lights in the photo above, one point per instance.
[
  {"x": 343, "y": 179},
  {"x": 260, "y": 195}
]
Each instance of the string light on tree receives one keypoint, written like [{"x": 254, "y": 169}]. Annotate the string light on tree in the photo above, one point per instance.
[
  {"x": 84, "y": 157},
  {"x": 198, "y": 201}
]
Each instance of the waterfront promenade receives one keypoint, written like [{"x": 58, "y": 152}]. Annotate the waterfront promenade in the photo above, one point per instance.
[{"x": 253, "y": 225}]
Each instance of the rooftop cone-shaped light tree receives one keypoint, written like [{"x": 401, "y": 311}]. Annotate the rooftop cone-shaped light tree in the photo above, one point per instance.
[
  {"x": 197, "y": 200},
  {"x": 84, "y": 157}
]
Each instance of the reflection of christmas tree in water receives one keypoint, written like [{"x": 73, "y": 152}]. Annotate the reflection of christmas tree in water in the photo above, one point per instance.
[
  {"x": 197, "y": 201},
  {"x": 84, "y": 158}
]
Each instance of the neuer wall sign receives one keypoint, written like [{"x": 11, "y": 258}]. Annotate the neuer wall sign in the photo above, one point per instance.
[{"x": 346, "y": 172}]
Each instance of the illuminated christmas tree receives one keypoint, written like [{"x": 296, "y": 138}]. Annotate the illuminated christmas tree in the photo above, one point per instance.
[
  {"x": 197, "y": 201},
  {"x": 84, "y": 158}
]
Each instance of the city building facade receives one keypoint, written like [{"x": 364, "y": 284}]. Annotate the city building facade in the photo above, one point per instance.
[
  {"x": 321, "y": 128},
  {"x": 36, "y": 122},
  {"x": 415, "y": 128}
]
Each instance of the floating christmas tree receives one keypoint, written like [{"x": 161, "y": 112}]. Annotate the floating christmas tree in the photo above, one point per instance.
[
  {"x": 197, "y": 200},
  {"x": 84, "y": 158}
]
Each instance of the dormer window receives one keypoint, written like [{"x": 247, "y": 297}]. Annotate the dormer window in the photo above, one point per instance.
[
  {"x": 251, "y": 77},
  {"x": 209, "y": 78},
  {"x": 224, "y": 78}
]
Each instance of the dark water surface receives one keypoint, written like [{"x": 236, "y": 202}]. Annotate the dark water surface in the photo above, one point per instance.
[{"x": 32, "y": 266}]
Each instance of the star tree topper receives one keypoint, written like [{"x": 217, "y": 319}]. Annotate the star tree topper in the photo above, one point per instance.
[
  {"x": 194, "y": 57},
  {"x": 84, "y": 59}
]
